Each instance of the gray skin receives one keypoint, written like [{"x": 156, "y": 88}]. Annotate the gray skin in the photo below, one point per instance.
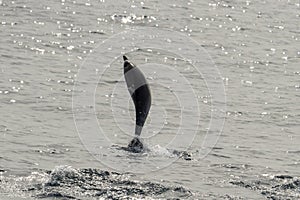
[{"x": 140, "y": 93}]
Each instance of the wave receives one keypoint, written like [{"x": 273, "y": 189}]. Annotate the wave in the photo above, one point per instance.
[{"x": 67, "y": 182}]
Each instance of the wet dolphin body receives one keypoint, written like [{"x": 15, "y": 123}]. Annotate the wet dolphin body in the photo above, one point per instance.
[{"x": 140, "y": 93}]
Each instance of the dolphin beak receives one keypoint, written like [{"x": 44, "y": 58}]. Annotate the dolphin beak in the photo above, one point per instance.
[{"x": 125, "y": 58}]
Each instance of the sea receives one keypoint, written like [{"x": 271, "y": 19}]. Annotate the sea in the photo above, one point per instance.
[{"x": 224, "y": 121}]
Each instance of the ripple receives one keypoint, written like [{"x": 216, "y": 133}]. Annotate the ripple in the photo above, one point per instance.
[{"x": 274, "y": 186}]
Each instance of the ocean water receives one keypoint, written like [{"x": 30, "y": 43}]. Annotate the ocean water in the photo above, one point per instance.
[{"x": 225, "y": 115}]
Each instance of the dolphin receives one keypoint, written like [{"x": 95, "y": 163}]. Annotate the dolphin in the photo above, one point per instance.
[{"x": 140, "y": 93}]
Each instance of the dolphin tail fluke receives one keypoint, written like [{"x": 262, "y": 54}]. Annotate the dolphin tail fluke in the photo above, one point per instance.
[{"x": 136, "y": 145}]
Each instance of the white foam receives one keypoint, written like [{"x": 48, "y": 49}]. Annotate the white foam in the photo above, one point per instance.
[{"x": 158, "y": 150}]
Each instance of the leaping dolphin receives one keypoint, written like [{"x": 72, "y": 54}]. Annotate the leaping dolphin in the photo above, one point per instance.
[{"x": 140, "y": 93}]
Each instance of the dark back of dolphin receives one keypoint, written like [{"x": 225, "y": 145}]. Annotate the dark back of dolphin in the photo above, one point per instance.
[{"x": 140, "y": 93}]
